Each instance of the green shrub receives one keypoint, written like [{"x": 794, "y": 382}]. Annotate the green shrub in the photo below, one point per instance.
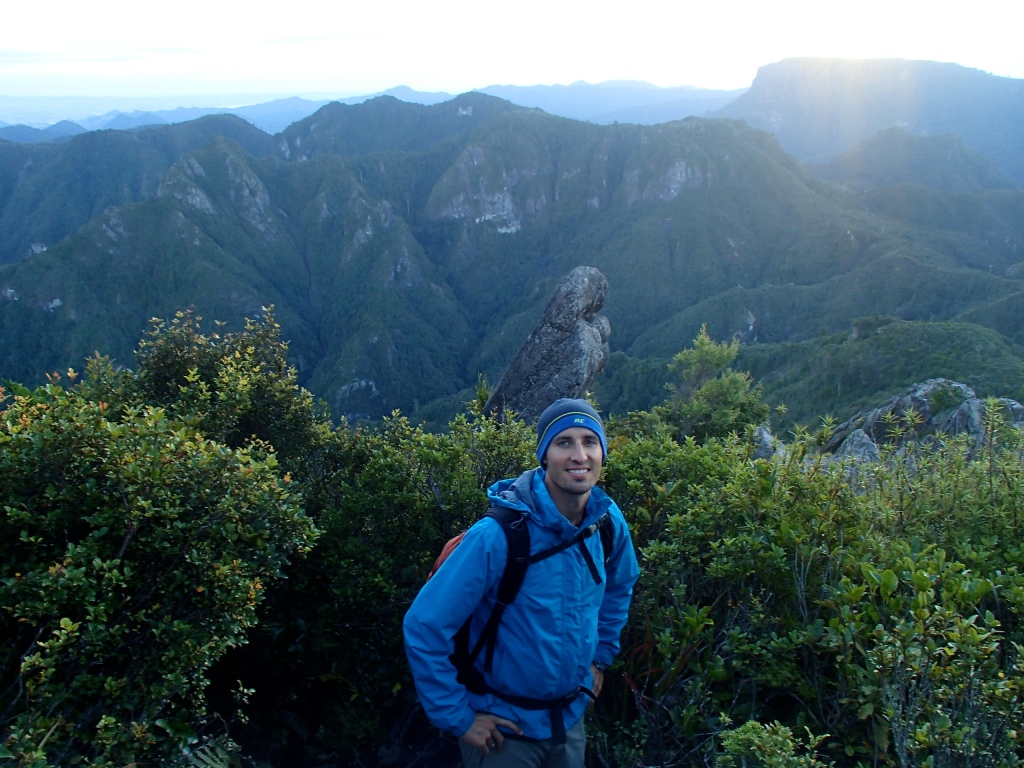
[
  {"x": 881, "y": 607},
  {"x": 754, "y": 745},
  {"x": 133, "y": 554},
  {"x": 707, "y": 398},
  {"x": 145, "y": 513},
  {"x": 925, "y": 663},
  {"x": 235, "y": 387},
  {"x": 331, "y": 658}
]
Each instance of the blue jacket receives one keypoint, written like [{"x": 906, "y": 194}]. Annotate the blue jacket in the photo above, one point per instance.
[{"x": 560, "y": 622}]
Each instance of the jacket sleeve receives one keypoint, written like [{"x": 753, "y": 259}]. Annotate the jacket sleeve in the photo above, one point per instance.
[
  {"x": 439, "y": 610},
  {"x": 621, "y": 574}
]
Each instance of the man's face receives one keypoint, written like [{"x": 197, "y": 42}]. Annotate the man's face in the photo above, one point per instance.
[{"x": 573, "y": 461}]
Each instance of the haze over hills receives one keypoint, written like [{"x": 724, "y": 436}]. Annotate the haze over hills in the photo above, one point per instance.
[
  {"x": 408, "y": 247},
  {"x": 25, "y": 134},
  {"x": 895, "y": 156},
  {"x": 41, "y": 111},
  {"x": 818, "y": 108},
  {"x": 616, "y": 101},
  {"x": 623, "y": 101}
]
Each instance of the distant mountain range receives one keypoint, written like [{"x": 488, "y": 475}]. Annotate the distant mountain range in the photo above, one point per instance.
[
  {"x": 407, "y": 247},
  {"x": 620, "y": 101},
  {"x": 616, "y": 101},
  {"x": 818, "y": 108},
  {"x": 24, "y": 134}
]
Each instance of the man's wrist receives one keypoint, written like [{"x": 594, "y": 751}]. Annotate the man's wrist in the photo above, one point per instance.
[
  {"x": 464, "y": 727},
  {"x": 601, "y": 665}
]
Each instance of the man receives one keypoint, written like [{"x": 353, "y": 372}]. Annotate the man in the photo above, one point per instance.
[{"x": 558, "y": 635}]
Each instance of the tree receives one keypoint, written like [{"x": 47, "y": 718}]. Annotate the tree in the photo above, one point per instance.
[
  {"x": 707, "y": 399},
  {"x": 696, "y": 366},
  {"x": 235, "y": 387}
]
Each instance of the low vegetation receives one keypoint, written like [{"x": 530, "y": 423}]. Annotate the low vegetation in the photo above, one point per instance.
[
  {"x": 791, "y": 611},
  {"x": 135, "y": 549},
  {"x": 843, "y": 373}
]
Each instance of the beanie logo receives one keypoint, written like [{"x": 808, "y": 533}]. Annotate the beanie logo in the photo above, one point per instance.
[{"x": 579, "y": 421}]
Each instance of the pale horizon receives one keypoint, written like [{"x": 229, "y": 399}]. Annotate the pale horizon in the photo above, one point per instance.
[{"x": 120, "y": 49}]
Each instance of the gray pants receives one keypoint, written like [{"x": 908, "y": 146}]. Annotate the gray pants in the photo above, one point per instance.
[{"x": 531, "y": 754}]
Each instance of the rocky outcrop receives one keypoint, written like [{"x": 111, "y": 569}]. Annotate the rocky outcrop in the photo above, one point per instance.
[
  {"x": 857, "y": 447},
  {"x": 856, "y": 454},
  {"x": 565, "y": 352},
  {"x": 766, "y": 445},
  {"x": 941, "y": 407}
]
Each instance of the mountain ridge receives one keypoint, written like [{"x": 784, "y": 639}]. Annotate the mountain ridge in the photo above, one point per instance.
[
  {"x": 55, "y": 189},
  {"x": 627, "y": 101},
  {"x": 407, "y": 248}
]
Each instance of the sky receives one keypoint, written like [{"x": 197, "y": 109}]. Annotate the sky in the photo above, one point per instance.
[{"x": 342, "y": 48}]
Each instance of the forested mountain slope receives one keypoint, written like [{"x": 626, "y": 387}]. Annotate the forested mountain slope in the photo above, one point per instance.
[
  {"x": 47, "y": 192},
  {"x": 895, "y": 156},
  {"x": 408, "y": 248}
]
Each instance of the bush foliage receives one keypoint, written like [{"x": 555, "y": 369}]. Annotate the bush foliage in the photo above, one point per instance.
[
  {"x": 792, "y": 611},
  {"x": 878, "y": 609},
  {"x": 386, "y": 500},
  {"x": 134, "y": 552}
]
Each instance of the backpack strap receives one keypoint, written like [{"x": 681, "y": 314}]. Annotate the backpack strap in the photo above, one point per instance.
[
  {"x": 607, "y": 531},
  {"x": 554, "y": 707},
  {"x": 517, "y": 536},
  {"x": 602, "y": 525},
  {"x": 513, "y": 522},
  {"x": 517, "y": 533}
]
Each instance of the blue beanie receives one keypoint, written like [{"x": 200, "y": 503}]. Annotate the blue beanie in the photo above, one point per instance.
[{"x": 565, "y": 414}]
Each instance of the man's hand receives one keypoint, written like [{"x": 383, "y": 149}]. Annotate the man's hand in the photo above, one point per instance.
[
  {"x": 484, "y": 733},
  {"x": 598, "y": 681}
]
